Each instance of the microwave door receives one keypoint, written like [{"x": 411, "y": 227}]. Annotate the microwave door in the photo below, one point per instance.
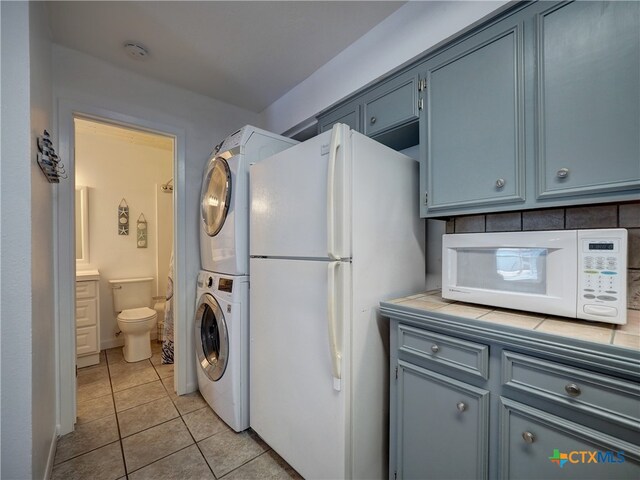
[{"x": 526, "y": 272}]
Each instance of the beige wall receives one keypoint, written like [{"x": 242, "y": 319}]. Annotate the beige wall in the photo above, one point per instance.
[{"x": 112, "y": 167}]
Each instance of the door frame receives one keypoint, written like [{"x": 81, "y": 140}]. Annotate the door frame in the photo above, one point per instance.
[{"x": 65, "y": 265}]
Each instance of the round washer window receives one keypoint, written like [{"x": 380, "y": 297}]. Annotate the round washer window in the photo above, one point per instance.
[
  {"x": 216, "y": 194},
  {"x": 212, "y": 340}
]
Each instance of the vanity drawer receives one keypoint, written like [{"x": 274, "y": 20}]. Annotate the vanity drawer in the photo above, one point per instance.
[
  {"x": 612, "y": 398},
  {"x": 462, "y": 355},
  {"x": 86, "y": 289},
  {"x": 86, "y": 312},
  {"x": 86, "y": 340}
]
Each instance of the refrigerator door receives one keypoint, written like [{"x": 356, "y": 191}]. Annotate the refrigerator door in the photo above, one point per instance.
[
  {"x": 295, "y": 406},
  {"x": 300, "y": 200}
]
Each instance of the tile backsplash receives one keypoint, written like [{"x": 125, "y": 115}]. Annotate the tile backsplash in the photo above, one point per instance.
[{"x": 623, "y": 215}]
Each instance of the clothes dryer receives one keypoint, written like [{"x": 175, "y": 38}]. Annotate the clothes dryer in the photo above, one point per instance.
[
  {"x": 224, "y": 204},
  {"x": 222, "y": 346}
]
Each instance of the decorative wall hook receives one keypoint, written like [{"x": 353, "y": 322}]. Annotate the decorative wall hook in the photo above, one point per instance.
[
  {"x": 48, "y": 160},
  {"x": 142, "y": 232},
  {"x": 123, "y": 218}
]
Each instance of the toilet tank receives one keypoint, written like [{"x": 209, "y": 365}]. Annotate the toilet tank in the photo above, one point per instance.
[{"x": 131, "y": 293}]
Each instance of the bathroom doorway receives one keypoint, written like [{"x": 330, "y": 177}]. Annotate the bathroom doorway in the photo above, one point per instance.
[
  {"x": 65, "y": 284},
  {"x": 124, "y": 229}
]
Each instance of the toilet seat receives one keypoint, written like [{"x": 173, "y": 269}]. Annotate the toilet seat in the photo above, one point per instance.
[{"x": 134, "y": 315}]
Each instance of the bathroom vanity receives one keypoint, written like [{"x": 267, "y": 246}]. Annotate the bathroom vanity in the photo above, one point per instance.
[
  {"x": 479, "y": 392},
  {"x": 87, "y": 318}
]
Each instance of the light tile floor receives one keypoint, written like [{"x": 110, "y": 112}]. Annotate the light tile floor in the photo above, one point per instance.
[{"x": 131, "y": 424}]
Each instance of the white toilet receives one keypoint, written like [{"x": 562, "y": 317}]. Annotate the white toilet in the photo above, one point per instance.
[{"x": 131, "y": 299}]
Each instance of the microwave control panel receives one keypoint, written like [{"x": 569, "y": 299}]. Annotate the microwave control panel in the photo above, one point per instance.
[{"x": 602, "y": 275}]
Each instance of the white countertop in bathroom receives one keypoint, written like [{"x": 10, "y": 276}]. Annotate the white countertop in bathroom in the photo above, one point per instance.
[{"x": 87, "y": 275}]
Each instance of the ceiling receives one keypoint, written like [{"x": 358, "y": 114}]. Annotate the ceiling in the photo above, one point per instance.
[{"x": 246, "y": 53}]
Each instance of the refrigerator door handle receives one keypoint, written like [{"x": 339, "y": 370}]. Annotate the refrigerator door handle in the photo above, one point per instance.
[
  {"x": 336, "y": 140},
  {"x": 333, "y": 317}
]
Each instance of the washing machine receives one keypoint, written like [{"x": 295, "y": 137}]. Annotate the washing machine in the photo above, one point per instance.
[
  {"x": 224, "y": 222},
  {"x": 222, "y": 346}
]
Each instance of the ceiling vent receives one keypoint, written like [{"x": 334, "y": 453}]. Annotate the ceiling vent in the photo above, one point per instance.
[{"x": 135, "y": 50}]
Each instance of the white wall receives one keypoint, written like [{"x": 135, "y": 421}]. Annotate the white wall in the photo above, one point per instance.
[
  {"x": 27, "y": 203},
  {"x": 412, "y": 29},
  {"x": 86, "y": 80},
  {"x": 114, "y": 168}
]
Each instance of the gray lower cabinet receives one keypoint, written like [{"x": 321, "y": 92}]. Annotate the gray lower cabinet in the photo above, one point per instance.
[
  {"x": 535, "y": 444},
  {"x": 470, "y": 406},
  {"x": 433, "y": 405}
]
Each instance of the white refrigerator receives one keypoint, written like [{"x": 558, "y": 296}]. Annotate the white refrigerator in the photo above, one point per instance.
[{"x": 334, "y": 230}]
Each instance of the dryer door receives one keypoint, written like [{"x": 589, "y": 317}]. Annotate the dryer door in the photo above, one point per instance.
[
  {"x": 212, "y": 338},
  {"x": 216, "y": 196}
]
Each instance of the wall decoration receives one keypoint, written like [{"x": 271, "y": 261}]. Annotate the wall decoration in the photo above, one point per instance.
[
  {"x": 48, "y": 160},
  {"x": 142, "y": 231},
  {"x": 123, "y": 218}
]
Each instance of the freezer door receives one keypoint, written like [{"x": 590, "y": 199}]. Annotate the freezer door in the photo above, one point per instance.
[
  {"x": 300, "y": 199},
  {"x": 295, "y": 406}
]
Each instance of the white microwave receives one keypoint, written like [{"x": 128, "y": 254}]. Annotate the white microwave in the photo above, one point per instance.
[{"x": 570, "y": 273}]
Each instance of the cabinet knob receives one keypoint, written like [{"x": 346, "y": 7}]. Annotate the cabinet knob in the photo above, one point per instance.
[
  {"x": 373, "y": 120},
  {"x": 528, "y": 437},
  {"x": 563, "y": 173},
  {"x": 435, "y": 348},
  {"x": 500, "y": 183},
  {"x": 572, "y": 390},
  {"x": 461, "y": 406}
]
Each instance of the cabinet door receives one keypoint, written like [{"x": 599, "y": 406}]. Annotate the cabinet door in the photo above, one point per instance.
[
  {"x": 474, "y": 121},
  {"x": 588, "y": 98},
  {"x": 535, "y": 444},
  {"x": 442, "y": 426},
  {"x": 348, "y": 114},
  {"x": 392, "y": 104}
]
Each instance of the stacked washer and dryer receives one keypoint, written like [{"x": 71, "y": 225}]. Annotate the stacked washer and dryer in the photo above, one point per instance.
[{"x": 222, "y": 306}]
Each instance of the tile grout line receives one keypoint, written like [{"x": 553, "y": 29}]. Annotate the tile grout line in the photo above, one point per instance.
[
  {"x": 248, "y": 461},
  {"x": 124, "y": 459},
  {"x": 196, "y": 443}
]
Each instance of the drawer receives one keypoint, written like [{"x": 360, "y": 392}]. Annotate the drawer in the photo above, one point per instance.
[
  {"x": 441, "y": 349},
  {"x": 612, "y": 398},
  {"x": 86, "y": 312},
  {"x": 85, "y": 289},
  {"x": 86, "y": 340},
  {"x": 393, "y": 103}
]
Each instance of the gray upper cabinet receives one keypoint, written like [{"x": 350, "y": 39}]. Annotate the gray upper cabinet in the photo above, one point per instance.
[
  {"x": 474, "y": 121},
  {"x": 588, "y": 107},
  {"x": 348, "y": 114},
  {"x": 392, "y": 104},
  {"x": 388, "y": 112}
]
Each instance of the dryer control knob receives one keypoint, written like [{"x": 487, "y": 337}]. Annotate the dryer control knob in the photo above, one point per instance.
[{"x": 210, "y": 282}]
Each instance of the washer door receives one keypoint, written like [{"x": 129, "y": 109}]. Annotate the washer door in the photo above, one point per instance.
[
  {"x": 216, "y": 196},
  {"x": 212, "y": 338}
]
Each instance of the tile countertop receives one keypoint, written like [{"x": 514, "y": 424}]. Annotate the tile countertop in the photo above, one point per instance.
[{"x": 627, "y": 336}]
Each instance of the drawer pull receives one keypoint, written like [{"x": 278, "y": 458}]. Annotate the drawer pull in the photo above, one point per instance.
[
  {"x": 528, "y": 437},
  {"x": 563, "y": 173},
  {"x": 435, "y": 348},
  {"x": 500, "y": 183},
  {"x": 373, "y": 120},
  {"x": 461, "y": 406},
  {"x": 572, "y": 390}
]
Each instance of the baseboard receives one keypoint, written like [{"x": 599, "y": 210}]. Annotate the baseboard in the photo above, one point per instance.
[
  {"x": 52, "y": 454},
  {"x": 112, "y": 343}
]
